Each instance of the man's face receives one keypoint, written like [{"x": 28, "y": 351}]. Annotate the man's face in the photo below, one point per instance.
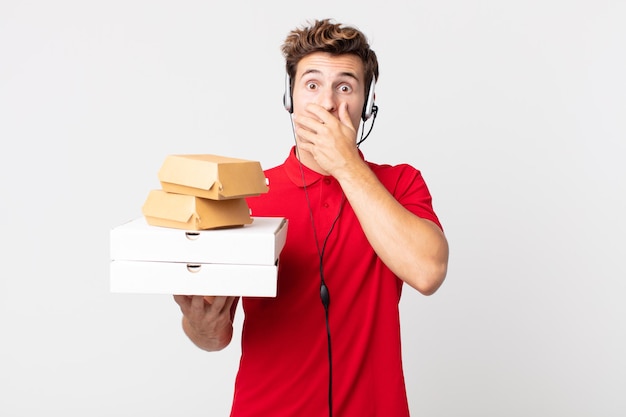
[{"x": 329, "y": 80}]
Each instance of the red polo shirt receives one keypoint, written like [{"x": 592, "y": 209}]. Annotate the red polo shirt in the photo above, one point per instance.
[{"x": 284, "y": 362}]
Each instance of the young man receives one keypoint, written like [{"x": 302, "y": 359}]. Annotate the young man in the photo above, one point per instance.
[{"x": 329, "y": 343}]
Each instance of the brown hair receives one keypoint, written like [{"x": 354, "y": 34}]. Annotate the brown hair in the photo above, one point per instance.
[{"x": 334, "y": 38}]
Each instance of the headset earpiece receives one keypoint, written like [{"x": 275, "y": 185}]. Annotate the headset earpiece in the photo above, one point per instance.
[
  {"x": 368, "y": 108},
  {"x": 287, "y": 100}
]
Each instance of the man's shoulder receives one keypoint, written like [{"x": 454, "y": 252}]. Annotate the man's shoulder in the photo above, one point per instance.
[
  {"x": 276, "y": 173},
  {"x": 393, "y": 169}
]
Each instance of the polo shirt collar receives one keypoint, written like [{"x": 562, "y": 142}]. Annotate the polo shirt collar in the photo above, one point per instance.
[{"x": 296, "y": 171}]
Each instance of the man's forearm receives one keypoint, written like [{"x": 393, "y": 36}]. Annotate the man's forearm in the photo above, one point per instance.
[{"x": 415, "y": 249}]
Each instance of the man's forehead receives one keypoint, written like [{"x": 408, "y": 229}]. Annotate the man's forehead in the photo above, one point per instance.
[{"x": 321, "y": 63}]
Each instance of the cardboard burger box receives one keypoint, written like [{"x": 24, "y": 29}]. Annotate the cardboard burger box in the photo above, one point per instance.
[
  {"x": 189, "y": 212},
  {"x": 204, "y": 191},
  {"x": 212, "y": 176},
  {"x": 240, "y": 261}
]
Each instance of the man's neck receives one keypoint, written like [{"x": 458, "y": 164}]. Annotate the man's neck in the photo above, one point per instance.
[{"x": 308, "y": 161}]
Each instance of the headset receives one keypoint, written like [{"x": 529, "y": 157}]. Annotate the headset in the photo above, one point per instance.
[{"x": 369, "y": 108}]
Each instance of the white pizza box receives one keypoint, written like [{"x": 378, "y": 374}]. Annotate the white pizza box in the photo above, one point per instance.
[
  {"x": 193, "y": 279},
  {"x": 258, "y": 243}
]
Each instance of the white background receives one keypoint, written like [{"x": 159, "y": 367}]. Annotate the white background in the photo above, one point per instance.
[{"x": 513, "y": 110}]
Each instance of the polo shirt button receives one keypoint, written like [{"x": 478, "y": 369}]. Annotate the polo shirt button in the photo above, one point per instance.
[
  {"x": 325, "y": 205},
  {"x": 327, "y": 181}
]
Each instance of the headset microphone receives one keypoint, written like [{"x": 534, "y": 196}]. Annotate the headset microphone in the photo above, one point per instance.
[{"x": 324, "y": 295}]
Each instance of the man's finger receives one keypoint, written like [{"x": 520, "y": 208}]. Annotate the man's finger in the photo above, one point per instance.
[{"x": 344, "y": 115}]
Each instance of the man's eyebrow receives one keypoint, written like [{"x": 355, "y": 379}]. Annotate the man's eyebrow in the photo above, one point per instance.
[
  {"x": 348, "y": 74},
  {"x": 311, "y": 71}
]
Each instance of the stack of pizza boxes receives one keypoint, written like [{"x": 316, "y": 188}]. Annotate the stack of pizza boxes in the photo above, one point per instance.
[{"x": 197, "y": 236}]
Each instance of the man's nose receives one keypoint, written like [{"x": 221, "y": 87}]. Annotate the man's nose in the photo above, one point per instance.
[{"x": 328, "y": 100}]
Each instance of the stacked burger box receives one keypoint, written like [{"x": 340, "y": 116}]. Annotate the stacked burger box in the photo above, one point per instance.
[{"x": 197, "y": 236}]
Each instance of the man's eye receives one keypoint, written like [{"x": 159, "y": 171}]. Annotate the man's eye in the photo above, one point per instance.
[
  {"x": 345, "y": 89},
  {"x": 311, "y": 86}
]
